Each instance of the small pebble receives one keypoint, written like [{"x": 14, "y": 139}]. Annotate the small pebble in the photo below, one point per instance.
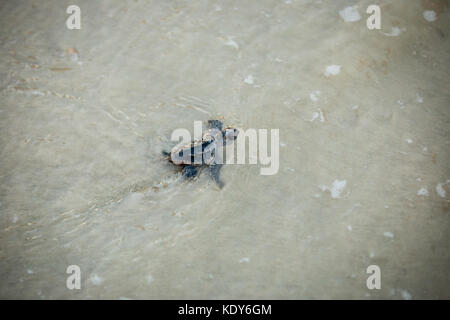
[
  {"x": 429, "y": 15},
  {"x": 73, "y": 53},
  {"x": 388, "y": 234}
]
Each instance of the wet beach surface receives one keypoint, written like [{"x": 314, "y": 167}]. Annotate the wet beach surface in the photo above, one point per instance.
[{"x": 364, "y": 175}]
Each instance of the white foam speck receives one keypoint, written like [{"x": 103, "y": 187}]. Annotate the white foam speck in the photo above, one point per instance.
[
  {"x": 350, "y": 14},
  {"x": 422, "y": 192},
  {"x": 249, "y": 79},
  {"x": 230, "y": 42},
  {"x": 125, "y": 298},
  {"x": 149, "y": 279},
  {"x": 372, "y": 255},
  {"x": 37, "y": 93},
  {"x": 355, "y": 107},
  {"x": 388, "y": 234},
  {"x": 336, "y": 188},
  {"x": 419, "y": 98},
  {"x": 429, "y": 15},
  {"x": 96, "y": 280},
  {"x": 314, "y": 96},
  {"x": 440, "y": 189},
  {"x": 349, "y": 227},
  {"x": 317, "y": 115},
  {"x": 245, "y": 259},
  {"x": 30, "y": 271},
  {"x": 332, "y": 70},
  {"x": 395, "y": 32},
  {"x": 406, "y": 295},
  {"x": 409, "y": 140}
]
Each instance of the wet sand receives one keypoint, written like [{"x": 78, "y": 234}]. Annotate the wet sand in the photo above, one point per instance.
[{"x": 363, "y": 117}]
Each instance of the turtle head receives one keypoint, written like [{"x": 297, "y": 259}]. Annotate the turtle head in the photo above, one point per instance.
[{"x": 229, "y": 135}]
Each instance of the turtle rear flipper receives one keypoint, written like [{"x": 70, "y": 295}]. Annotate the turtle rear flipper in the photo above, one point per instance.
[
  {"x": 215, "y": 124},
  {"x": 190, "y": 172},
  {"x": 214, "y": 171}
]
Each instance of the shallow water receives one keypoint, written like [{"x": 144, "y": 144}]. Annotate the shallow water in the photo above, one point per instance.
[{"x": 364, "y": 171}]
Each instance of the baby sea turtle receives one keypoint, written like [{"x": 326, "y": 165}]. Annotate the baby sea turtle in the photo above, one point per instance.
[{"x": 202, "y": 152}]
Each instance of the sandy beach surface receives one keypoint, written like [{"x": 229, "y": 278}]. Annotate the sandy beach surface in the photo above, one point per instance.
[{"x": 364, "y": 170}]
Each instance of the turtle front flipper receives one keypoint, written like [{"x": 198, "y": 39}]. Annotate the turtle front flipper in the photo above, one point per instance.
[
  {"x": 215, "y": 124},
  {"x": 214, "y": 171},
  {"x": 190, "y": 171}
]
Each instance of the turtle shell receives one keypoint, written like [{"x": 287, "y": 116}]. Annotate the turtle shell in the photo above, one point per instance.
[{"x": 198, "y": 152}]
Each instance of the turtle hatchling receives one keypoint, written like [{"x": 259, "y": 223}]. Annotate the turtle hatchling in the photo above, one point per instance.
[{"x": 203, "y": 152}]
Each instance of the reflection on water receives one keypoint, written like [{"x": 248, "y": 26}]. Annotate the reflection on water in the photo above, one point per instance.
[{"x": 364, "y": 172}]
